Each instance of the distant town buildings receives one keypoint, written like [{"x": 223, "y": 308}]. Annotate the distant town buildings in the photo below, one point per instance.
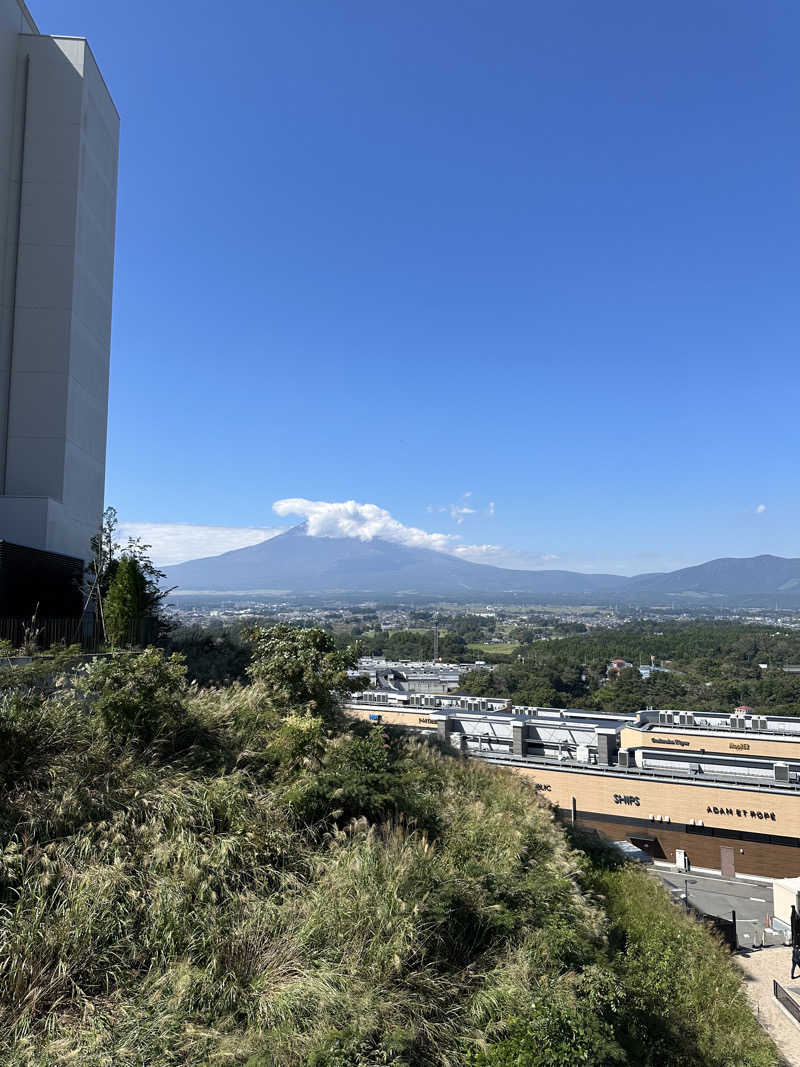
[
  {"x": 646, "y": 669},
  {"x": 410, "y": 676},
  {"x": 617, "y": 665}
]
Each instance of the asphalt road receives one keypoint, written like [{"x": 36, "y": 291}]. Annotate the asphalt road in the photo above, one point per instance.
[{"x": 721, "y": 896}]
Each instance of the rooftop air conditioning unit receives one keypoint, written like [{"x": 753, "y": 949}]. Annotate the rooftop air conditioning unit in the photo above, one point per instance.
[
  {"x": 734, "y": 721},
  {"x": 582, "y": 753},
  {"x": 623, "y": 758},
  {"x": 781, "y": 772},
  {"x": 742, "y": 723},
  {"x": 663, "y": 718},
  {"x": 689, "y": 718},
  {"x": 764, "y": 725},
  {"x": 682, "y": 718}
]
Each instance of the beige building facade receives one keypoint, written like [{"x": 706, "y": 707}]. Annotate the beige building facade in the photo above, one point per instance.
[{"x": 726, "y": 794}]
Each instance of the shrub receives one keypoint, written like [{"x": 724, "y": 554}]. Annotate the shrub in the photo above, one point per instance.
[
  {"x": 216, "y": 659},
  {"x": 139, "y": 698},
  {"x": 303, "y": 669},
  {"x": 370, "y": 775},
  {"x": 557, "y": 1031}
]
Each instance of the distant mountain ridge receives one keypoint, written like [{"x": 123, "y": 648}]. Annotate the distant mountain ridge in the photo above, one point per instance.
[
  {"x": 296, "y": 563},
  {"x": 729, "y": 576}
]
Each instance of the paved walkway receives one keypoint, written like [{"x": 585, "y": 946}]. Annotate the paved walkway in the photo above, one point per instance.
[
  {"x": 714, "y": 895},
  {"x": 760, "y": 967}
]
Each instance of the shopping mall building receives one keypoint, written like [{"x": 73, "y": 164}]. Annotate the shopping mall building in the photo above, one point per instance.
[{"x": 725, "y": 789}]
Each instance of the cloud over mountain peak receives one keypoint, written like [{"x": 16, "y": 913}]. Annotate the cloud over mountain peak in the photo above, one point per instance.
[{"x": 348, "y": 518}]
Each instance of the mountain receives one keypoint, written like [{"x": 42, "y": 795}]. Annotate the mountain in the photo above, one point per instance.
[
  {"x": 294, "y": 562},
  {"x": 758, "y": 575}
]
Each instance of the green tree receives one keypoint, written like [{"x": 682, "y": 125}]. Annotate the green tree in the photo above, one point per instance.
[
  {"x": 125, "y": 604},
  {"x": 141, "y": 594},
  {"x": 302, "y": 668}
]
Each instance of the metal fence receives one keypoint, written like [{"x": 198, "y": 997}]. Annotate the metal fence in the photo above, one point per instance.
[
  {"x": 28, "y": 634},
  {"x": 786, "y": 1000},
  {"x": 44, "y": 633}
]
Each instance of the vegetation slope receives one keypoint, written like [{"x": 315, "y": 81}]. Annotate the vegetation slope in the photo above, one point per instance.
[{"x": 235, "y": 876}]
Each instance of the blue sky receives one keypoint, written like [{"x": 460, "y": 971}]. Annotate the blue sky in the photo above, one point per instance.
[{"x": 546, "y": 255}]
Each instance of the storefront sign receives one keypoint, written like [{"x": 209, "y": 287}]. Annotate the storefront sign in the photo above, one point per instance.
[{"x": 741, "y": 813}]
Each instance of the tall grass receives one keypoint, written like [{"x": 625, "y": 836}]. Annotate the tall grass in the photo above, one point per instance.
[{"x": 252, "y": 889}]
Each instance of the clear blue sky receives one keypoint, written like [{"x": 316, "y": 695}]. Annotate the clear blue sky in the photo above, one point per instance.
[{"x": 545, "y": 253}]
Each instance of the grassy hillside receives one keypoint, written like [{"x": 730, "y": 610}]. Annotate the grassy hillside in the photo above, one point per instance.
[{"x": 215, "y": 877}]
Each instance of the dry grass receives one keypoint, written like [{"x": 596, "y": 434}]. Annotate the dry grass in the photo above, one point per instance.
[{"x": 257, "y": 892}]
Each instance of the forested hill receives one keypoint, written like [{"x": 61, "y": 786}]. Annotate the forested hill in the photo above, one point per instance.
[
  {"x": 238, "y": 876},
  {"x": 706, "y": 666}
]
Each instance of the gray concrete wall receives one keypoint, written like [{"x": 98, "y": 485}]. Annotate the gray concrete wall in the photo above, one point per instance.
[
  {"x": 60, "y": 300},
  {"x": 14, "y": 20}
]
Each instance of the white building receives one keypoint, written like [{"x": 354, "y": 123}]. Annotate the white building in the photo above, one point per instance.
[{"x": 59, "y": 138}]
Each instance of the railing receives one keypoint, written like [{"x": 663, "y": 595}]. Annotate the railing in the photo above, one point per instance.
[
  {"x": 786, "y": 1000},
  {"x": 722, "y": 728},
  {"x": 40, "y": 634},
  {"x": 47, "y": 632},
  {"x": 684, "y": 777}
]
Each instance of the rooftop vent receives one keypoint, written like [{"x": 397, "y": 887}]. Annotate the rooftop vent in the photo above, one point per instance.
[{"x": 781, "y": 772}]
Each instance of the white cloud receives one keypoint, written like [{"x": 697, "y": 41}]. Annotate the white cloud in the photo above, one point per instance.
[
  {"x": 176, "y": 542},
  {"x": 477, "y": 551},
  {"x": 461, "y": 509},
  {"x": 347, "y": 518},
  {"x": 500, "y": 556},
  {"x": 458, "y": 511},
  {"x": 761, "y": 509},
  {"x": 365, "y": 521}
]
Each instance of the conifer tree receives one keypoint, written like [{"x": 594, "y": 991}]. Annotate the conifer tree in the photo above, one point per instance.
[{"x": 125, "y": 604}]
